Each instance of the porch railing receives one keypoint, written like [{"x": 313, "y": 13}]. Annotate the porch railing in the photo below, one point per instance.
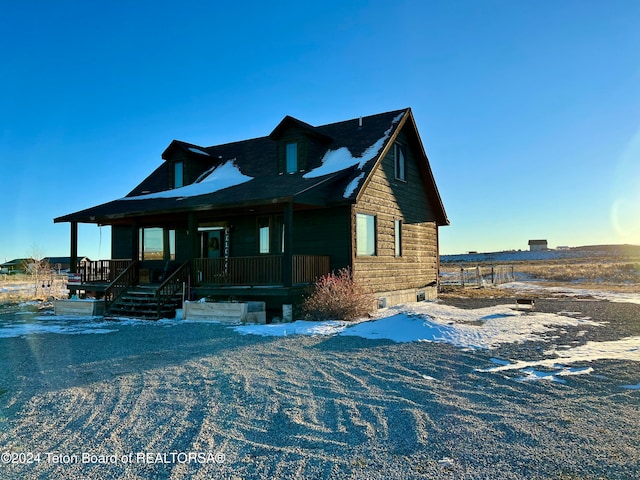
[
  {"x": 172, "y": 285},
  {"x": 308, "y": 268},
  {"x": 101, "y": 270},
  {"x": 127, "y": 278},
  {"x": 258, "y": 270}
]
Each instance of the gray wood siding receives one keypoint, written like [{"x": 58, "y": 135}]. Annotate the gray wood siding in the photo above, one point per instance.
[{"x": 389, "y": 200}]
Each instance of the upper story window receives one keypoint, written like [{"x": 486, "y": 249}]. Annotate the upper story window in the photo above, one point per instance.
[
  {"x": 178, "y": 174},
  {"x": 291, "y": 157},
  {"x": 400, "y": 161}
]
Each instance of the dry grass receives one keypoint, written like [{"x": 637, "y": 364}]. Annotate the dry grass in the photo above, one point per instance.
[
  {"x": 614, "y": 269},
  {"x": 608, "y": 273},
  {"x": 21, "y": 288}
]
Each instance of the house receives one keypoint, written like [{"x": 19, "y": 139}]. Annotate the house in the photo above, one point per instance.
[
  {"x": 17, "y": 265},
  {"x": 537, "y": 245},
  {"x": 263, "y": 218},
  {"x": 63, "y": 264}
]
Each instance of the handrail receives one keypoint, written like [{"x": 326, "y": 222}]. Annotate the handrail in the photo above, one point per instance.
[
  {"x": 120, "y": 284},
  {"x": 172, "y": 285},
  {"x": 259, "y": 270}
]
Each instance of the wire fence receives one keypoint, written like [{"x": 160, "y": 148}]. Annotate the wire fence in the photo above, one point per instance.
[{"x": 477, "y": 276}]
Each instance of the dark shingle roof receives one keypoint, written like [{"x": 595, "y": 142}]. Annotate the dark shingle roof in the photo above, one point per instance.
[{"x": 258, "y": 158}]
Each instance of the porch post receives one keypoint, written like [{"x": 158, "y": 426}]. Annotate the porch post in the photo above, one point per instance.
[
  {"x": 135, "y": 241},
  {"x": 192, "y": 232},
  {"x": 287, "y": 257},
  {"x": 73, "y": 260}
]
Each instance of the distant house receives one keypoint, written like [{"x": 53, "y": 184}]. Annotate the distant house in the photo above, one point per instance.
[
  {"x": 18, "y": 265},
  {"x": 63, "y": 264},
  {"x": 538, "y": 245},
  {"x": 261, "y": 219}
]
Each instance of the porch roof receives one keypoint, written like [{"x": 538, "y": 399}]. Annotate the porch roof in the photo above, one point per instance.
[{"x": 256, "y": 192}]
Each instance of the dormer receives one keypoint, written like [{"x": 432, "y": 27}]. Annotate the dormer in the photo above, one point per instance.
[
  {"x": 297, "y": 141},
  {"x": 185, "y": 163}
]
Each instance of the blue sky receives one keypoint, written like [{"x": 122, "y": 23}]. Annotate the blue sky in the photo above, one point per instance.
[{"x": 529, "y": 111}]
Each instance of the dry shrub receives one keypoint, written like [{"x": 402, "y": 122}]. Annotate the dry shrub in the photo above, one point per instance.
[{"x": 336, "y": 296}]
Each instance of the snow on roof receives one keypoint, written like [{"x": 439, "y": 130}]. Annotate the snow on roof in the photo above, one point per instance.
[
  {"x": 197, "y": 150},
  {"x": 336, "y": 160},
  {"x": 353, "y": 184},
  {"x": 223, "y": 176}
]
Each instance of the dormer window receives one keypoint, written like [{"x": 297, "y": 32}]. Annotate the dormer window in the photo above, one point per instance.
[
  {"x": 291, "y": 154},
  {"x": 178, "y": 174}
]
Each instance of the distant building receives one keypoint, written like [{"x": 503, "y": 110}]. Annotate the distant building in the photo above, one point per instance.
[
  {"x": 538, "y": 245},
  {"x": 63, "y": 264},
  {"x": 18, "y": 265}
]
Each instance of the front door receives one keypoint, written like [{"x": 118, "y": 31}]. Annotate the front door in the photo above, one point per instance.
[{"x": 211, "y": 243}]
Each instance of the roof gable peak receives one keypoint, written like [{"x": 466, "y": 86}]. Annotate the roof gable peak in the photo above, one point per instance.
[{"x": 289, "y": 122}]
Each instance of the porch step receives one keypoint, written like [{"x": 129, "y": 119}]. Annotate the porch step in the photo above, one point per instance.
[{"x": 140, "y": 302}]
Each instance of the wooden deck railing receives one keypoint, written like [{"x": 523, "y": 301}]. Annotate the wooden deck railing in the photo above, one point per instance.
[
  {"x": 101, "y": 270},
  {"x": 258, "y": 270},
  {"x": 308, "y": 268},
  {"x": 172, "y": 285},
  {"x": 127, "y": 278}
]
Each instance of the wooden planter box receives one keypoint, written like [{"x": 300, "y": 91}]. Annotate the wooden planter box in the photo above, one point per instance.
[
  {"x": 81, "y": 308},
  {"x": 229, "y": 313}
]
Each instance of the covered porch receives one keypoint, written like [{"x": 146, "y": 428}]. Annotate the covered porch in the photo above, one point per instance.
[
  {"x": 270, "y": 278},
  {"x": 253, "y": 271},
  {"x": 240, "y": 252}
]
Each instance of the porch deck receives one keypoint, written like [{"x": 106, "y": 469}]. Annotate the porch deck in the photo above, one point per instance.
[{"x": 262, "y": 275}]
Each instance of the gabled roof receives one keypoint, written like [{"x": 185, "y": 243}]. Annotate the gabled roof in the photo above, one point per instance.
[
  {"x": 288, "y": 122},
  {"x": 55, "y": 260},
  {"x": 340, "y": 158},
  {"x": 17, "y": 262}
]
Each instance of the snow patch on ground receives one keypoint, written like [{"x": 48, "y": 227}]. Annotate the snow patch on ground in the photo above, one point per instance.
[
  {"x": 560, "y": 357},
  {"x": 301, "y": 327},
  {"x": 623, "y": 297},
  {"x": 484, "y": 328}
]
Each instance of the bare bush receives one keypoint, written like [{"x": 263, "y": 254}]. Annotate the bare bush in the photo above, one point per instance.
[{"x": 337, "y": 296}]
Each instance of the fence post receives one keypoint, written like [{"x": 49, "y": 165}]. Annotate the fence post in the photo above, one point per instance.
[{"x": 462, "y": 277}]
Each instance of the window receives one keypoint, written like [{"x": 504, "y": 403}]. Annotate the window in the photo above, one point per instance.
[
  {"x": 398, "y": 237},
  {"x": 172, "y": 244},
  {"x": 178, "y": 175},
  {"x": 264, "y": 245},
  {"x": 151, "y": 244},
  {"x": 291, "y": 154},
  {"x": 157, "y": 244},
  {"x": 400, "y": 162},
  {"x": 365, "y": 234}
]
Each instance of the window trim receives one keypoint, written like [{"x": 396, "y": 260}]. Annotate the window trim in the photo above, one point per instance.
[
  {"x": 178, "y": 175},
  {"x": 291, "y": 165},
  {"x": 397, "y": 237},
  {"x": 400, "y": 161},
  {"x": 370, "y": 249},
  {"x": 267, "y": 229},
  {"x": 167, "y": 238}
]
